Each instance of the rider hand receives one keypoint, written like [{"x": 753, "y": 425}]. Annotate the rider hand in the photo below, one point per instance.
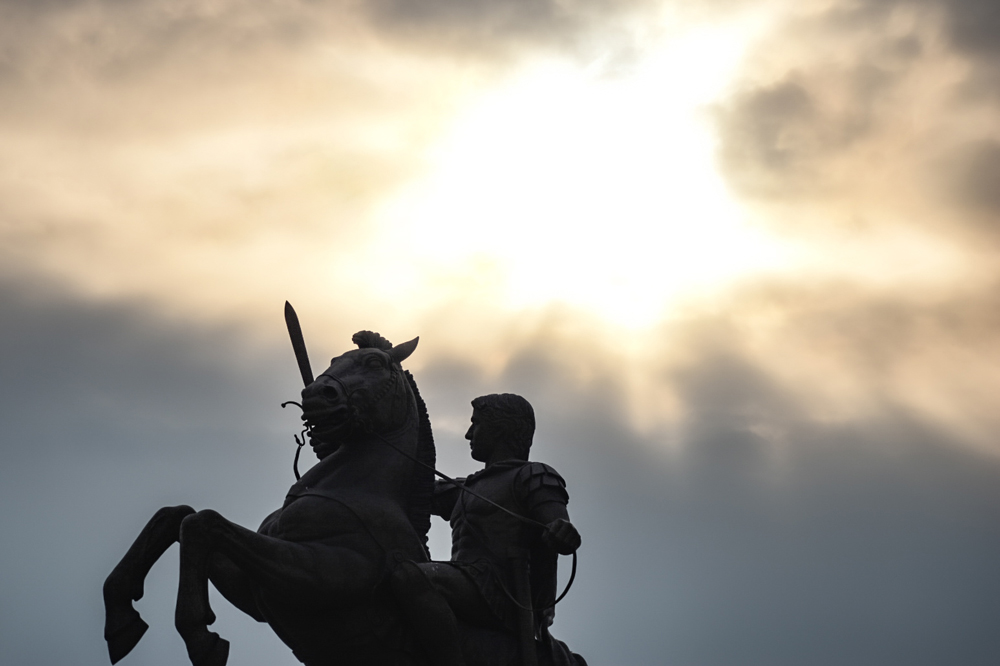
[{"x": 561, "y": 536}]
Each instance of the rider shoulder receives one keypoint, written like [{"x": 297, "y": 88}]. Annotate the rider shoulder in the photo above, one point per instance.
[{"x": 537, "y": 475}]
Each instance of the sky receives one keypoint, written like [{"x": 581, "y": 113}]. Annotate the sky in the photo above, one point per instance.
[{"x": 740, "y": 255}]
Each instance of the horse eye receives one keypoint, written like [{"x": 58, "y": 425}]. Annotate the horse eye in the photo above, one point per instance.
[{"x": 375, "y": 362}]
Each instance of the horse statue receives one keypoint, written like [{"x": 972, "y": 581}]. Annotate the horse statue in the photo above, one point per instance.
[
  {"x": 315, "y": 569},
  {"x": 318, "y": 570}
]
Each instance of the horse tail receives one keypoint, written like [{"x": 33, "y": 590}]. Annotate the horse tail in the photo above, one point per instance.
[{"x": 422, "y": 483}]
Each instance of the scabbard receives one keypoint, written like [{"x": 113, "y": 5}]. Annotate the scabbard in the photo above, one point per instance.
[{"x": 525, "y": 618}]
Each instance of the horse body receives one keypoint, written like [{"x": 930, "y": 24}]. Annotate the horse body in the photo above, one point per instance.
[
  {"x": 314, "y": 567},
  {"x": 368, "y": 530}
]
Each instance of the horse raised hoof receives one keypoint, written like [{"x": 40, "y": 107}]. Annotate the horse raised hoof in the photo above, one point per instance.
[
  {"x": 208, "y": 649},
  {"x": 123, "y": 631}
]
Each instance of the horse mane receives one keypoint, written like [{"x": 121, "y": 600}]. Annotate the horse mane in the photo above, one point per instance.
[{"x": 418, "y": 508}]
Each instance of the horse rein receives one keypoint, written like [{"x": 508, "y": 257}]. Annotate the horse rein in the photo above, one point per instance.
[{"x": 524, "y": 519}]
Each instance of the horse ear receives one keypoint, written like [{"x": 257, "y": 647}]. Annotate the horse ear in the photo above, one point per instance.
[{"x": 400, "y": 353}]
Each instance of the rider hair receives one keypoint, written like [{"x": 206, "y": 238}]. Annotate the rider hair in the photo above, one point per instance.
[{"x": 512, "y": 415}]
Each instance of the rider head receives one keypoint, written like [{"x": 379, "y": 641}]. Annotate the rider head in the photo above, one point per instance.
[{"x": 502, "y": 427}]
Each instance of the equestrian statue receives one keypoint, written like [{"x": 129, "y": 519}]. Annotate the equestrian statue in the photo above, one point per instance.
[{"x": 341, "y": 571}]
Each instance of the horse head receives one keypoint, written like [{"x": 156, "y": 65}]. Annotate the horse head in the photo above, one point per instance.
[{"x": 363, "y": 391}]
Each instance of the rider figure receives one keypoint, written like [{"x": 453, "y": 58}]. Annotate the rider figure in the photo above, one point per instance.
[{"x": 492, "y": 551}]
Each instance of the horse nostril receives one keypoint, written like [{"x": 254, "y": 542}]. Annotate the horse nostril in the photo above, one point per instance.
[{"x": 330, "y": 393}]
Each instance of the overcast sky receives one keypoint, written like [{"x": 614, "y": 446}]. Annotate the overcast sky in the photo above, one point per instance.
[{"x": 741, "y": 256}]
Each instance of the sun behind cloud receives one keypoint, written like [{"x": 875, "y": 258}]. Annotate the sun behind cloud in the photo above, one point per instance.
[{"x": 586, "y": 186}]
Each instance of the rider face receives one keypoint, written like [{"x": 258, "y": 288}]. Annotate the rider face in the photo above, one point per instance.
[{"x": 482, "y": 436}]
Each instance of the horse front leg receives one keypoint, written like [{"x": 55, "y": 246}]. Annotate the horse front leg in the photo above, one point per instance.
[
  {"x": 298, "y": 574},
  {"x": 193, "y": 613},
  {"x": 123, "y": 627}
]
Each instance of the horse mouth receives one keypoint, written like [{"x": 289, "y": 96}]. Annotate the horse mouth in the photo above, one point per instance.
[
  {"x": 324, "y": 425},
  {"x": 323, "y": 448}
]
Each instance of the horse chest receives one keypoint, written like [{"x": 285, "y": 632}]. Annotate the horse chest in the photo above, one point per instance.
[{"x": 309, "y": 518}]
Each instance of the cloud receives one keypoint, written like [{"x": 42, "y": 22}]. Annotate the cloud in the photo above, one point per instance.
[
  {"x": 862, "y": 540},
  {"x": 747, "y": 528},
  {"x": 796, "y": 470},
  {"x": 848, "y": 352},
  {"x": 804, "y": 503},
  {"x": 972, "y": 183},
  {"x": 973, "y": 24},
  {"x": 867, "y": 116},
  {"x": 109, "y": 412},
  {"x": 784, "y": 140},
  {"x": 145, "y": 140},
  {"x": 824, "y": 93},
  {"x": 117, "y": 41},
  {"x": 484, "y": 28},
  {"x": 161, "y": 149}
]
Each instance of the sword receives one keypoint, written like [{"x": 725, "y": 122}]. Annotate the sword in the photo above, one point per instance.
[{"x": 298, "y": 343}]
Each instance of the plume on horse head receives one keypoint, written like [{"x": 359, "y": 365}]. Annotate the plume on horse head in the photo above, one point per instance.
[{"x": 370, "y": 339}]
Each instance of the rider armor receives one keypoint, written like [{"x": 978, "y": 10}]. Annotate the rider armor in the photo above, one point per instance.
[{"x": 489, "y": 544}]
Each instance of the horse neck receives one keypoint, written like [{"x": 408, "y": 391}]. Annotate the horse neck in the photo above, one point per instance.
[{"x": 371, "y": 465}]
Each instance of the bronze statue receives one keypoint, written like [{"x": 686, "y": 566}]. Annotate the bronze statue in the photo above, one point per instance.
[
  {"x": 502, "y": 572},
  {"x": 328, "y": 570}
]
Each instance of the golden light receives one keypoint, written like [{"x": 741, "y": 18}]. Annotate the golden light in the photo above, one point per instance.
[{"x": 585, "y": 186}]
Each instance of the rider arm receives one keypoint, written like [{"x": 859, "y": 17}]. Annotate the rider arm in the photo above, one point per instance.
[
  {"x": 546, "y": 499},
  {"x": 546, "y": 512},
  {"x": 444, "y": 497}
]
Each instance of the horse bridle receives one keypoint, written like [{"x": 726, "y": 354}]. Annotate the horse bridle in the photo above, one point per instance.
[
  {"x": 300, "y": 439},
  {"x": 379, "y": 394}
]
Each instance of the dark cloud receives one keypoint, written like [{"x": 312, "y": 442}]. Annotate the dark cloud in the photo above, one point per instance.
[
  {"x": 970, "y": 24},
  {"x": 489, "y": 18},
  {"x": 132, "y": 36},
  {"x": 860, "y": 542},
  {"x": 754, "y": 533},
  {"x": 852, "y": 107},
  {"x": 761, "y": 134},
  {"x": 109, "y": 412},
  {"x": 783, "y": 140},
  {"x": 885, "y": 350},
  {"x": 63, "y": 360},
  {"x": 747, "y": 533},
  {"x": 972, "y": 180},
  {"x": 974, "y": 25},
  {"x": 482, "y": 26},
  {"x": 137, "y": 52},
  {"x": 113, "y": 40}
]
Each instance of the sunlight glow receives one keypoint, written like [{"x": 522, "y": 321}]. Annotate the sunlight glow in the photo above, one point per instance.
[{"x": 584, "y": 188}]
